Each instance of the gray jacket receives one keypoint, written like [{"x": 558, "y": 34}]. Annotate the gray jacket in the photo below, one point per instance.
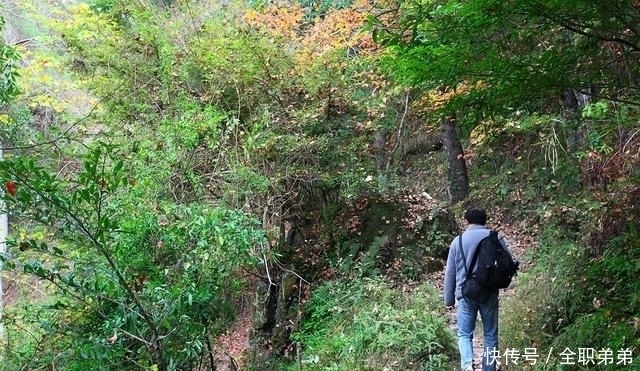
[{"x": 455, "y": 275}]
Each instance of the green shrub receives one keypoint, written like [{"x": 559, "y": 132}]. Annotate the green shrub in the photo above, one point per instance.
[
  {"x": 131, "y": 283},
  {"x": 364, "y": 324},
  {"x": 574, "y": 298}
]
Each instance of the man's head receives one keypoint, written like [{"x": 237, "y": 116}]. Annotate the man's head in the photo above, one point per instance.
[{"x": 476, "y": 216}]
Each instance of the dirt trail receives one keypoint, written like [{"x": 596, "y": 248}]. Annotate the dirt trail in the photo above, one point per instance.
[{"x": 232, "y": 345}]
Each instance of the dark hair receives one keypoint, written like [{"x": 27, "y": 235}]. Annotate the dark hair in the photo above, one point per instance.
[{"x": 476, "y": 216}]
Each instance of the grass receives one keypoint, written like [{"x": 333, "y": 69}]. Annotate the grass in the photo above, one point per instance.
[{"x": 364, "y": 324}]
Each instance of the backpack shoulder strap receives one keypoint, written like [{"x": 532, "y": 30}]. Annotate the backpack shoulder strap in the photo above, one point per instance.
[
  {"x": 464, "y": 258},
  {"x": 474, "y": 260}
]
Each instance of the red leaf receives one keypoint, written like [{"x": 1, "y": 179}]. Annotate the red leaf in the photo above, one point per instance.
[{"x": 11, "y": 188}]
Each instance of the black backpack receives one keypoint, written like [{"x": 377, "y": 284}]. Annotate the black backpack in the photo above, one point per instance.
[{"x": 495, "y": 266}]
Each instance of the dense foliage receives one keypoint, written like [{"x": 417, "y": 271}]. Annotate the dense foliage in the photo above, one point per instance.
[
  {"x": 577, "y": 290},
  {"x": 513, "y": 55},
  {"x": 141, "y": 280},
  {"x": 165, "y": 158},
  {"x": 365, "y": 325}
]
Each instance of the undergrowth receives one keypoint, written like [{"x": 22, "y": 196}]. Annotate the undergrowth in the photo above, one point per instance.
[
  {"x": 364, "y": 324},
  {"x": 576, "y": 304},
  {"x": 578, "y": 309}
]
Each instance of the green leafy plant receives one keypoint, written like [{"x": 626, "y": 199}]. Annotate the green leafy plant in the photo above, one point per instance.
[
  {"x": 364, "y": 324},
  {"x": 8, "y": 71},
  {"x": 574, "y": 300},
  {"x": 130, "y": 284}
]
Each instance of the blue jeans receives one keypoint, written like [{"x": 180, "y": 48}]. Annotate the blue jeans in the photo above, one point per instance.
[{"x": 467, "y": 314}]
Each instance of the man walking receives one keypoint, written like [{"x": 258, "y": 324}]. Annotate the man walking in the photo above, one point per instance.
[{"x": 458, "y": 262}]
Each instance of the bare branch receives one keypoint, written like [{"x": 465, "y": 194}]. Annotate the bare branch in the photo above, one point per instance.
[
  {"x": 400, "y": 129},
  {"x": 615, "y": 39}
]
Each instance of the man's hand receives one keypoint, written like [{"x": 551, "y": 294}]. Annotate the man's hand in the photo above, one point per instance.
[{"x": 449, "y": 308}]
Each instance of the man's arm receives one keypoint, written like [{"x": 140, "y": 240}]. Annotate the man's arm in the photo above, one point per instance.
[
  {"x": 450, "y": 277},
  {"x": 503, "y": 241}
]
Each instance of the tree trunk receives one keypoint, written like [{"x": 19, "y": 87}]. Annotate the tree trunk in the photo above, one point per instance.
[
  {"x": 381, "y": 155},
  {"x": 458, "y": 178},
  {"x": 4, "y": 233}
]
